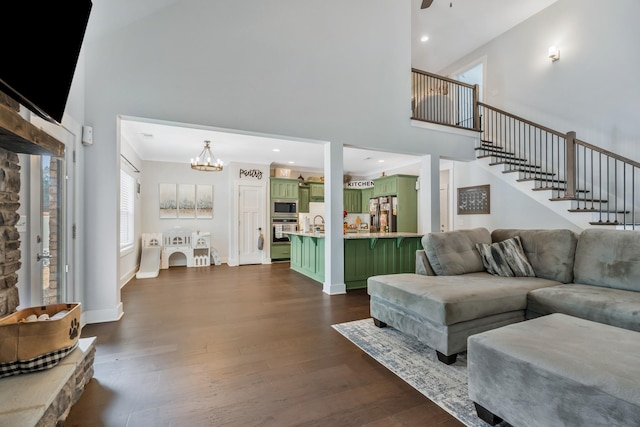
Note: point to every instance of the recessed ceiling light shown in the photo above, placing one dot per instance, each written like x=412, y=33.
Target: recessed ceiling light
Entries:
x=380, y=161
x=291, y=162
x=276, y=149
x=424, y=39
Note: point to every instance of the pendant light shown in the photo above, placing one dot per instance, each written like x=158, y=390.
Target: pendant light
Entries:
x=206, y=161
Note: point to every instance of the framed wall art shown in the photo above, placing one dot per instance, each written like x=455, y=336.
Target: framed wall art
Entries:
x=474, y=200
x=204, y=201
x=186, y=200
x=168, y=202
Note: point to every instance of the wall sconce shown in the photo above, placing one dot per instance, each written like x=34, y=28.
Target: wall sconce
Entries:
x=554, y=53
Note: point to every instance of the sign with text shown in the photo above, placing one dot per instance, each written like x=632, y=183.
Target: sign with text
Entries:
x=359, y=184
x=252, y=173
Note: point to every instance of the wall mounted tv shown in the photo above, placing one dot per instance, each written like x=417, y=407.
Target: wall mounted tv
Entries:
x=39, y=49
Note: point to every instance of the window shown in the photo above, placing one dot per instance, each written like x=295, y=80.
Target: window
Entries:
x=127, y=198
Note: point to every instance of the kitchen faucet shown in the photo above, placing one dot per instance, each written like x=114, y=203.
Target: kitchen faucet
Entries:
x=316, y=217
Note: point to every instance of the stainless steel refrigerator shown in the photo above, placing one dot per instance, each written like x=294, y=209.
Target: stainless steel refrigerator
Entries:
x=383, y=212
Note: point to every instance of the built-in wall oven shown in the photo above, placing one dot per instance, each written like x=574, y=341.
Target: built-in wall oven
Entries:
x=279, y=229
x=284, y=208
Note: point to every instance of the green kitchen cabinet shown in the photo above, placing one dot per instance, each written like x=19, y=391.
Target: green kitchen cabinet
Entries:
x=407, y=253
x=365, y=195
x=356, y=263
x=385, y=186
x=295, y=252
x=280, y=251
x=366, y=257
x=284, y=188
x=352, y=200
x=383, y=257
x=316, y=192
x=303, y=199
x=307, y=256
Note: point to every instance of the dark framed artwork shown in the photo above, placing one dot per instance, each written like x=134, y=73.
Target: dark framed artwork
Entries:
x=474, y=200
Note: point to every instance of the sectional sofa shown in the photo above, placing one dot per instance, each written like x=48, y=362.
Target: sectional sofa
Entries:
x=594, y=275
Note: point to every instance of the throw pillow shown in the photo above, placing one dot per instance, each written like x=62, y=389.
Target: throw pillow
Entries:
x=505, y=258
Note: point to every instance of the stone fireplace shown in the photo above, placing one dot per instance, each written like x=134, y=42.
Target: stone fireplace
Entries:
x=16, y=136
x=32, y=399
x=9, y=236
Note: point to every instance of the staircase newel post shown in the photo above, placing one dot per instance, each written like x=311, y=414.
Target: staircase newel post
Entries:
x=570, y=165
x=476, y=107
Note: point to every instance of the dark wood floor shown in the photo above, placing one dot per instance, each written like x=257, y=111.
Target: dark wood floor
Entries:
x=241, y=346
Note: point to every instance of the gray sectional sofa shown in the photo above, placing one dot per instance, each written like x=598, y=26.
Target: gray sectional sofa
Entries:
x=594, y=275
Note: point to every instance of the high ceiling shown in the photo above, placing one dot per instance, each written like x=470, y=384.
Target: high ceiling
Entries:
x=454, y=28
x=458, y=27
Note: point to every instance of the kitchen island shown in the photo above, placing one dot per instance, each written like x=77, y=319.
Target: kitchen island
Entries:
x=365, y=255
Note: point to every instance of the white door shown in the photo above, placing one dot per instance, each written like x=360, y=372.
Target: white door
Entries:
x=48, y=232
x=251, y=224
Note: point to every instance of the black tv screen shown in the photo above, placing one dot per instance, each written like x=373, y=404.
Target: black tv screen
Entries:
x=39, y=49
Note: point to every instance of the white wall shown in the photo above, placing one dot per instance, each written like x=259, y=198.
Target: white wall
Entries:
x=155, y=173
x=592, y=89
x=508, y=206
x=330, y=71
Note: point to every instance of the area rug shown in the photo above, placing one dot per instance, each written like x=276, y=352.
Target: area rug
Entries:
x=417, y=364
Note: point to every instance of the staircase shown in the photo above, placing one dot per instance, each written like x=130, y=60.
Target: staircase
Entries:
x=586, y=184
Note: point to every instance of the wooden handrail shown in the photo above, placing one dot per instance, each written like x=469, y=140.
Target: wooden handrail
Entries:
x=446, y=79
x=608, y=153
x=529, y=122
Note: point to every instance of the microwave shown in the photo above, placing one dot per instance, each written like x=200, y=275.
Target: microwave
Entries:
x=284, y=208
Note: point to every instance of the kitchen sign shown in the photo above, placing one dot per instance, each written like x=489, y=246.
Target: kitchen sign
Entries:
x=359, y=184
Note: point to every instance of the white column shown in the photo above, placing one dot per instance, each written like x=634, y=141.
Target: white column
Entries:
x=333, y=208
x=429, y=195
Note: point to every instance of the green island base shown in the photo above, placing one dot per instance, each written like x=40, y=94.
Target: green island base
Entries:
x=365, y=255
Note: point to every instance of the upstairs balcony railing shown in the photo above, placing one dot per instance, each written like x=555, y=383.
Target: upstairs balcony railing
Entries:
x=445, y=101
x=597, y=181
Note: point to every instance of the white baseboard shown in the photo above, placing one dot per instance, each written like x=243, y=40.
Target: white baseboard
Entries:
x=101, y=316
x=334, y=288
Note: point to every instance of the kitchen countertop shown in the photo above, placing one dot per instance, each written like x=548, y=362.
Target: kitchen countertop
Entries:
x=359, y=235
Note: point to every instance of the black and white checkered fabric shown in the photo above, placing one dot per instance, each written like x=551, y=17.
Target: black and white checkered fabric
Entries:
x=40, y=363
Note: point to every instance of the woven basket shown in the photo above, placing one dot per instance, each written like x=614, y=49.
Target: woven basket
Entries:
x=33, y=346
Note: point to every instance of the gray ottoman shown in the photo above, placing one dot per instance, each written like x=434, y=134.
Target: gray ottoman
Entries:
x=556, y=370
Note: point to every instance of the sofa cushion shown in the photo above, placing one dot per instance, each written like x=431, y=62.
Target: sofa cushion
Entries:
x=550, y=252
x=452, y=299
x=609, y=258
x=505, y=258
x=604, y=305
x=454, y=252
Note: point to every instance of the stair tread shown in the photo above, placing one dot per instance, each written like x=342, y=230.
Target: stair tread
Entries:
x=573, y=199
x=520, y=163
x=541, y=179
x=495, y=151
x=491, y=146
x=498, y=156
x=594, y=210
x=557, y=189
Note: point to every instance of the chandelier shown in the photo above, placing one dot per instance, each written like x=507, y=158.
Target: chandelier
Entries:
x=206, y=161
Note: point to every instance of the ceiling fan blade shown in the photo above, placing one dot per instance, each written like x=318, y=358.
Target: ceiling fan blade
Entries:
x=426, y=4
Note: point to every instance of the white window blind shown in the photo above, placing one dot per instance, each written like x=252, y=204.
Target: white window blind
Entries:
x=127, y=198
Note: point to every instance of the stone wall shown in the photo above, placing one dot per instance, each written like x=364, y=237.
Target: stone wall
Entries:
x=69, y=394
x=9, y=236
x=51, y=269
